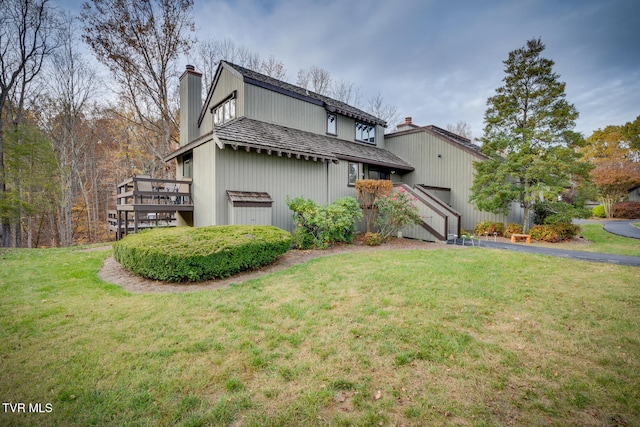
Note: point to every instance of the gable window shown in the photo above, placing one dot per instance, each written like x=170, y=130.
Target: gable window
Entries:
x=365, y=133
x=224, y=111
x=332, y=124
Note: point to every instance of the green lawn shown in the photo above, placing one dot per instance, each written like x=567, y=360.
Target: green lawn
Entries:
x=441, y=337
x=598, y=240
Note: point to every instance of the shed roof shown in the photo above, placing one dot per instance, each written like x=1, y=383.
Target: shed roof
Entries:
x=280, y=140
x=249, y=196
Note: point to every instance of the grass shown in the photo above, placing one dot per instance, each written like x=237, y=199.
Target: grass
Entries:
x=598, y=240
x=441, y=337
x=604, y=242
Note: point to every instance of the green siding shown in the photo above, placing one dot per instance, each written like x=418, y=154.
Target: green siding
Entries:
x=273, y=107
x=278, y=176
x=204, y=185
x=439, y=163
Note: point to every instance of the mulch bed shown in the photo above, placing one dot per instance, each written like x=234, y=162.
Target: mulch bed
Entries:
x=113, y=272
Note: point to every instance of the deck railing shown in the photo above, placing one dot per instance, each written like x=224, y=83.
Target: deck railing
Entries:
x=145, y=202
x=141, y=191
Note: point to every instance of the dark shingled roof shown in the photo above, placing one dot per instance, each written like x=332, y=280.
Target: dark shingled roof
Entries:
x=457, y=138
x=280, y=140
x=332, y=105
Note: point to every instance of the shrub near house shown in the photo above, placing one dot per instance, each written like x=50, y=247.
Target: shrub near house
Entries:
x=193, y=254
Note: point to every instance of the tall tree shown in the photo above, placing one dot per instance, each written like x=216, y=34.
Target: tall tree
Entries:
x=31, y=167
x=26, y=27
x=140, y=41
x=616, y=156
x=613, y=180
x=528, y=137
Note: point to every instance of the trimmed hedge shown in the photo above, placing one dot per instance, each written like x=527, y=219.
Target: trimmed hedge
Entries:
x=183, y=254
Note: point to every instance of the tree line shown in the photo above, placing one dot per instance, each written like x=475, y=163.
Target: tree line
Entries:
x=63, y=148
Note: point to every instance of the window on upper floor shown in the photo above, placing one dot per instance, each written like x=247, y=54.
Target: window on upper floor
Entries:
x=224, y=111
x=365, y=132
x=332, y=124
x=187, y=161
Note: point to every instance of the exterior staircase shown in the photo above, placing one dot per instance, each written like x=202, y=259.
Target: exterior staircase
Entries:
x=439, y=221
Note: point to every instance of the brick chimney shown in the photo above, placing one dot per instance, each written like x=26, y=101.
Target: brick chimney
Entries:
x=407, y=125
x=190, y=104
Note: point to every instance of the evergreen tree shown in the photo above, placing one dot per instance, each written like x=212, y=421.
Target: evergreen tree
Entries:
x=528, y=138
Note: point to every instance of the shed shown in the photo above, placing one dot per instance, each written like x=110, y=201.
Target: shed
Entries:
x=249, y=207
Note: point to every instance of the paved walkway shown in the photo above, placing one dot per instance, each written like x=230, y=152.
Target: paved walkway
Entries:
x=563, y=253
x=623, y=228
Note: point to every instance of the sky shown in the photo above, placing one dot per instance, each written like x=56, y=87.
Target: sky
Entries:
x=438, y=61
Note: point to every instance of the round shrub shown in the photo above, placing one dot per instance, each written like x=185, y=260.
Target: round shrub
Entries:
x=489, y=227
x=598, y=211
x=183, y=254
x=554, y=233
x=373, y=239
x=512, y=228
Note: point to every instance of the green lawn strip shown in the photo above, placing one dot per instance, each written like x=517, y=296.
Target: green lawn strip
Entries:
x=610, y=243
x=598, y=240
x=476, y=337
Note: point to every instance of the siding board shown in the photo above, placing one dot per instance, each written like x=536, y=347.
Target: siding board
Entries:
x=441, y=164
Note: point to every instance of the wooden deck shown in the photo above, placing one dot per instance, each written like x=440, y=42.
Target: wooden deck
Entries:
x=143, y=202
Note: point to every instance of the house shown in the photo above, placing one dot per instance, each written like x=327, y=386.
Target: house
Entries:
x=257, y=140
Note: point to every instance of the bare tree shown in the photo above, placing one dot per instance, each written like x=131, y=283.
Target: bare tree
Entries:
x=140, y=41
x=273, y=68
x=378, y=108
x=461, y=128
x=71, y=82
x=316, y=79
x=345, y=91
x=25, y=41
x=211, y=52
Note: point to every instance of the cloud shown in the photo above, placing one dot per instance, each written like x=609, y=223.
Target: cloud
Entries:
x=440, y=61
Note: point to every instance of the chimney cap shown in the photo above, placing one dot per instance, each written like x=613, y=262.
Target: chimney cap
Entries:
x=190, y=68
x=407, y=120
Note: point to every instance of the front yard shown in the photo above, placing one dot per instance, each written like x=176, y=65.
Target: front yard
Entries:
x=398, y=337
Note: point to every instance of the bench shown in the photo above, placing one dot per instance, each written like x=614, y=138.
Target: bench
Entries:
x=515, y=237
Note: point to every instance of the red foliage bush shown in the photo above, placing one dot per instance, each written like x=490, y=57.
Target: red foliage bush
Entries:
x=629, y=210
